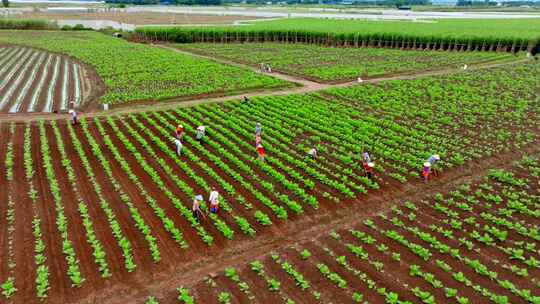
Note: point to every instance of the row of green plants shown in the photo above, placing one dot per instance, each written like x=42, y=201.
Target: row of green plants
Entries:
x=7, y=285
x=456, y=34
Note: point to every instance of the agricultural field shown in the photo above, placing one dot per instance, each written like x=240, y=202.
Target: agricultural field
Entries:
x=137, y=72
x=451, y=34
x=327, y=64
x=94, y=209
x=33, y=80
x=476, y=242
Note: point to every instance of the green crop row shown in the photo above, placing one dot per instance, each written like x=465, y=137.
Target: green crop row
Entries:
x=485, y=35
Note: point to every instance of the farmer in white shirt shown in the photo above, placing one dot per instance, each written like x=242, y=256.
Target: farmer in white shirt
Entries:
x=178, y=144
x=201, y=130
x=214, y=200
x=432, y=160
x=312, y=153
x=73, y=116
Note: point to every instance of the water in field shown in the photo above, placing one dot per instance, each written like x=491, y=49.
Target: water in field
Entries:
x=97, y=24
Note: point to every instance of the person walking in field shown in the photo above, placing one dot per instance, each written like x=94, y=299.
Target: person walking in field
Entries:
x=201, y=131
x=432, y=160
x=214, y=200
x=74, y=118
x=260, y=152
x=178, y=144
x=196, y=208
x=426, y=171
x=258, y=129
x=312, y=153
x=179, y=132
x=368, y=169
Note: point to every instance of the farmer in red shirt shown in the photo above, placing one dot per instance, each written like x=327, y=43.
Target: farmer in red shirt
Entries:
x=260, y=151
x=368, y=168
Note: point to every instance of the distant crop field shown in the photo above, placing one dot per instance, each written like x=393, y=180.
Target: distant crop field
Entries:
x=455, y=34
x=329, y=64
x=137, y=72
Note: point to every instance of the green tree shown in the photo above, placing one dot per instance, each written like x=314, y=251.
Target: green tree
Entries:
x=5, y=3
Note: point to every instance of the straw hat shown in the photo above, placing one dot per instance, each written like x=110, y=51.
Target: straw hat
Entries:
x=70, y=111
x=180, y=126
x=427, y=164
x=259, y=146
x=437, y=157
x=199, y=197
x=371, y=164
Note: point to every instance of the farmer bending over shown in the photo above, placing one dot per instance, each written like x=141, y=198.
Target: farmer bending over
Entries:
x=425, y=171
x=178, y=144
x=73, y=116
x=214, y=200
x=368, y=169
x=366, y=157
x=312, y=153
x=432, y=160
x=260, y=151
x=201, y=130
x=258, y=128
x=196, y=209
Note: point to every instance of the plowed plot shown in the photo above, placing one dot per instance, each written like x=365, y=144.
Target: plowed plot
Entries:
x=97, y=209
x=37, y=81
x=476, y=243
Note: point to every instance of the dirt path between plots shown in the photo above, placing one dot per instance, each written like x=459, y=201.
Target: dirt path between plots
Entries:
x=303, y=230
x=304, y=86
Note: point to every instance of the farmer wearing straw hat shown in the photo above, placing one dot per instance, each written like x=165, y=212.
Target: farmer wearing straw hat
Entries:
x=368, y=168
x=73, y=114
x=196, y=209
x=179, y=132
x=214, y=200
x=178, y=144
x=425, y=171
x=201, y=130
x=260, y=151
x=432, y=160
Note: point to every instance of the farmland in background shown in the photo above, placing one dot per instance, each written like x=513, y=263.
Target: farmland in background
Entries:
x=329, y=64
x=454, y=34
x=109, y=201
x=136, y=72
